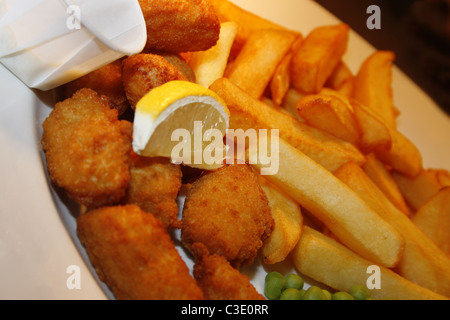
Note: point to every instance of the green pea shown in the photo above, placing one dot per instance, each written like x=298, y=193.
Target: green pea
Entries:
x=360, y=292
x=327, y=294
x=272, y=274
x=294, y=281
x=273, y=287
x=342, y=295
x=291, y=294
x=314, y=293
x=302, y=293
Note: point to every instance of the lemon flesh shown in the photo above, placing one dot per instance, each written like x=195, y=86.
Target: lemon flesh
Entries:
x=179, y=105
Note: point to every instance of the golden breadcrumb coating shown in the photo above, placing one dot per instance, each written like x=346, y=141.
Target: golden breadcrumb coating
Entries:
x=154, y=187
x=228, y=212
x=145, y=71
x=135, y=256
x=219, y=280
x=106, y=81
x=87, y=149
x=180, y=25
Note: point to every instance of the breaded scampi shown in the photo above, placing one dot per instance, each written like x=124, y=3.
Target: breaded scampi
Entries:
x=135, y=256
x=87, y=149
x=228, y=212
x=219, y=280
x=180, y=25
x=106, y=81
x=154, y=187
x=145, y=71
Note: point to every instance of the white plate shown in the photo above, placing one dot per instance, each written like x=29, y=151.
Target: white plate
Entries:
x=37, y=238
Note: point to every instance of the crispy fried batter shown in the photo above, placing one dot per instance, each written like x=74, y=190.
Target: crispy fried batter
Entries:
x=228, y=212
x=146, y=71
x=180, y=25
x=87, y=149
x=135, y=256
x=154, y=187
x=218, y=279
x=105, y=81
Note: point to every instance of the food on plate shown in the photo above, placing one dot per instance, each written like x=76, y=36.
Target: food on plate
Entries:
x=106, y=81
x=433, y=218
x=288, y=222
x=349, y=193
x=184, y=122
x=87, y=149
x=180, y=25
x=134, y=255
x=422, y=261
x=154, y=187
x=228, y=212
x=145, y=71
x=254, y=66
x=336, y=205
x=373, y=85
x=218, y=279
x=210, y=65
x=317, y=57
x=329, y=262
x=250, y=113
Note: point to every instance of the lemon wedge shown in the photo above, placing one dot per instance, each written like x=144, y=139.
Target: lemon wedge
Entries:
x=183, y=121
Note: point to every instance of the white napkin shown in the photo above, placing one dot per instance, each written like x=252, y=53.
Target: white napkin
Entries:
x=47, y=43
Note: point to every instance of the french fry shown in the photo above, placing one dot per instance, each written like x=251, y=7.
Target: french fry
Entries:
x=210, y=65
x=281, y=80
x=334, y=204
x=373, y=85
x=248, y=21
x=403, y=155
x=326, y=261
x=256, y=63
x=419, y=189
x=378, y=173
x=288, y=225
x=422, y=261
x=249, y=113
x=341, y=80
x=433, y=218
x=330, y=114
x=374, y=133
x=318, y=56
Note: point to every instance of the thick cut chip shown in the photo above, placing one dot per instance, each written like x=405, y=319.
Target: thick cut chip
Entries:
x=256, y=63
x=373, y=85
x=318, y=56
x=325, y=260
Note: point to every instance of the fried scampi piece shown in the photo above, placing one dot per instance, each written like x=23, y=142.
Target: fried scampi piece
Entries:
x=219, y=280
x=228, y=212
x=180, y=25
x=87, y=149
x=145, y=71
x=106, y=81
x=135, y=256
x=154, y=187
